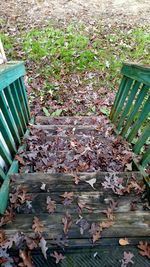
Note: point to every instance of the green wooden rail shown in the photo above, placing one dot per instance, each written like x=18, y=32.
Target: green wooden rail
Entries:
x=14, y=118
x=131, y=111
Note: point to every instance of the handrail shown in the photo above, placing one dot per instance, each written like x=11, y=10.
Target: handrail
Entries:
x=14, y=118
x=131, y=110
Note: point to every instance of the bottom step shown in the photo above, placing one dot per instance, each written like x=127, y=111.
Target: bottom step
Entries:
x=82, y=215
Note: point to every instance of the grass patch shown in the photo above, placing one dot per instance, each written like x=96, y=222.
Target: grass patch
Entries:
x=53, y=54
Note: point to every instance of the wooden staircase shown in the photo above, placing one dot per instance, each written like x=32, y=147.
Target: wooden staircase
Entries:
x=73, y=188
x=126, y=214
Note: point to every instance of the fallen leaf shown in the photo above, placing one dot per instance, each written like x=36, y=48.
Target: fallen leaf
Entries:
x=68, y=195
x=37, y=225
x=109, y=214
x=144, y=249
x=67, y=222
x=95, y=231
x=31, y=243
x=91, y=182
x=44, y=248
x=104, y=225
x=2, y=236
x=26, y=258
x=51, y=205
x=127, y=258
x=123, y=242
x=76, y=179
x=83, y=224
x=58, y=257
x=129, y=166
x=20, y=159
x=7, y=217
x=43, y=186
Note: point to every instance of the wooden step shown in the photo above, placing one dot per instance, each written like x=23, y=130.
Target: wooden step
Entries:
x=131, y=218
x=127, y=223
x=74, y=120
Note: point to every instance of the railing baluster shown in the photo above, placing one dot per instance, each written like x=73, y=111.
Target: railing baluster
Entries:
x=9, y=118
x=146, y=158
x=142, y=139
x=128, y=105
x=2, y=174
x=22, y=101
x=18, y=105
x=121, y=102
x=134, y=109
x=14, y=111
x=118, y=95
x=142, y=117
x=7, y=136
x=4, y=154
x=25, y=96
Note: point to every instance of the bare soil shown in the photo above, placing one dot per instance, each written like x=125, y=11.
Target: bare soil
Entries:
x=36, y=12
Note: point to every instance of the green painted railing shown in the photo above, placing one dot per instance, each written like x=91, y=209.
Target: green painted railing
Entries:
x=131, y=110
x=14, y=118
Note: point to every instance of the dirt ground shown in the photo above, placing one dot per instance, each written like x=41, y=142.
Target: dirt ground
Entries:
x=35, y=12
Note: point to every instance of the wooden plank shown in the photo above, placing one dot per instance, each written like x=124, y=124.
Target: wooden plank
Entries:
x=53, y=129
x=73, y=120
x=10, y=72
x=96, y=201
x=66, y=181
x=25, y=97
x=135, y=224
x=137, y=72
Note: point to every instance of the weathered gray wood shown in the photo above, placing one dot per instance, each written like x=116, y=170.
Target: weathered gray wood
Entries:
x=93, y=200
x=53, y=129
x=73, y=120
x=135, y=224
x=60, y=182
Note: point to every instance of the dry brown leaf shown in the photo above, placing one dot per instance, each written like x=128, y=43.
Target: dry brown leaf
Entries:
x=26, y=258
x=58, y=257
x=20, y=159
x=37, y=225
x=76, y=179
x=109, y=214
x=68, y=195
x=84, y=206
x=144, y=249
x=51, y=205
x=95, y=231
x=108, y=224
x=67, y=222
x=2, y=236
x=7, y=217
x=123, y=242
x=31, y=243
